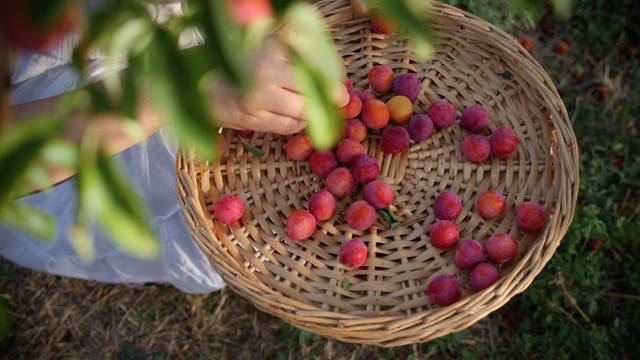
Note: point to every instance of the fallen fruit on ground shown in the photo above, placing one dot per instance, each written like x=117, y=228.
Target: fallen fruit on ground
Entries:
x=561, y=47
x=594, y=245
x=526, y=43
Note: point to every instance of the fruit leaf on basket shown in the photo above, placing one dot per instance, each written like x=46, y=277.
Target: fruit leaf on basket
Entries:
x=507, y=75
x=319, y=72
x=388, y=217
x=252, y=149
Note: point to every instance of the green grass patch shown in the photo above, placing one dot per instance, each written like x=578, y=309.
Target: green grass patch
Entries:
x=585, y=303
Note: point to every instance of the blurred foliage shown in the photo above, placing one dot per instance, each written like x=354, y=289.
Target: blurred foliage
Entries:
x=498, y=12
x=507, y=13
x=178, y=83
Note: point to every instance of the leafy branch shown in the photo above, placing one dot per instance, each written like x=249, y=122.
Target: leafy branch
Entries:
x=177, y=82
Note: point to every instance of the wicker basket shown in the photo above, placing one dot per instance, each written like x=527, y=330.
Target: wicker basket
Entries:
x=385, y=302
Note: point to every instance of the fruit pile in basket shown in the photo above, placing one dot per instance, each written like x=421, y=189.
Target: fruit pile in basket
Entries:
x=349, y=170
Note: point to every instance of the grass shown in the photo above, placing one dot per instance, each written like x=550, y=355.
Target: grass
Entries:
x=584, y=304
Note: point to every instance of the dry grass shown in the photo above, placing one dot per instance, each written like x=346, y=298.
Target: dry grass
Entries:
x=56, y=318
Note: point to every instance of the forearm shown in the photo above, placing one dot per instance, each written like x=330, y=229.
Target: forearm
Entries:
x=108, y=129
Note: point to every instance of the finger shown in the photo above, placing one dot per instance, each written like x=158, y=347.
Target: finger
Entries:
x=275, y=123
x=341, y=96
x=282, y=102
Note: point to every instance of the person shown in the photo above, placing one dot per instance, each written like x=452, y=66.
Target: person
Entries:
x=39, y=80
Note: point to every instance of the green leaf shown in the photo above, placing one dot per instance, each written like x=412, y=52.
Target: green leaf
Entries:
x=281, y=6
x=309, y=38
x=323, y=119
x=562, y=8
x=109, y=17
x=319, y=72
x=45, y=13
x=38, y=177
x=59, y=152
x=528, y=6
x=200, y=62
x=29, y=220
x=507, y=75
x=412, y=19
x=252, y=149
x=346, y=283
x=82, y=242
x=223, y=41
x=389, y=218
x=106, y=197
x=176, y=94
x=20, y=147
x=130, y=39
x=132, y=86
x=124, y=215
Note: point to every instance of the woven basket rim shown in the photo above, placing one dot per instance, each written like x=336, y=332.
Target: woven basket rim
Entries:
x=377, y=327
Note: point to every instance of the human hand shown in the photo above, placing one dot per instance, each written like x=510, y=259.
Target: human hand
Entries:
x=273, y=104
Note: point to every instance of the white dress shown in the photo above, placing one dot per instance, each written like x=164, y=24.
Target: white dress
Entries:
x=150, y=166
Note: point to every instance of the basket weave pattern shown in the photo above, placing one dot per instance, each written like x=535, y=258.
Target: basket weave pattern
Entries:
x=385, y=302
